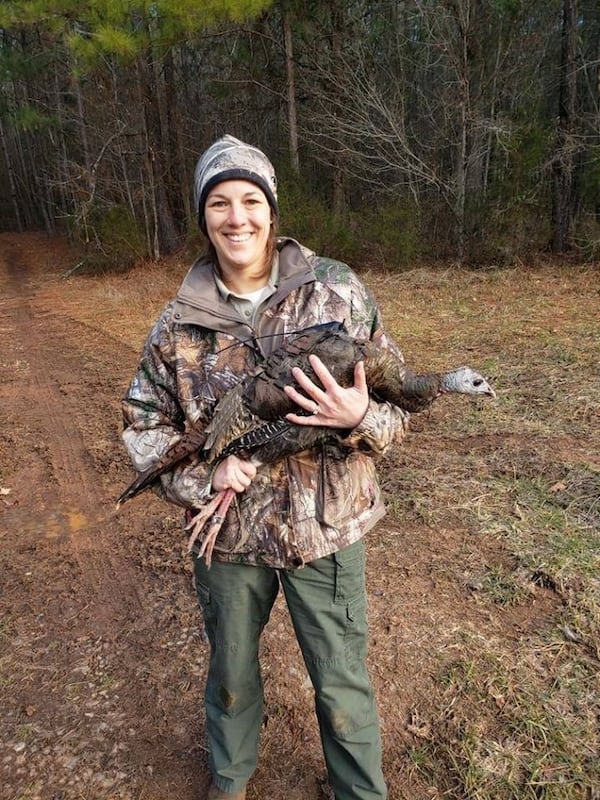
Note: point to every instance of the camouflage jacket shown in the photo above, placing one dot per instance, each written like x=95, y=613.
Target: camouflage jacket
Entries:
x=306, y=506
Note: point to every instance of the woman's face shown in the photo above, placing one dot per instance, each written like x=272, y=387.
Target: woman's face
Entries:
x=238, y=223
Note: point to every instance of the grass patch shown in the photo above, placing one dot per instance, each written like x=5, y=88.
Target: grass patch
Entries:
x=504, y=587
x=550, y=525
x=500, y=736
x=512, y=716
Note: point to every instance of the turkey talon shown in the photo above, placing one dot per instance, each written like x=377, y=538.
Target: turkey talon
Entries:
x=215, y=512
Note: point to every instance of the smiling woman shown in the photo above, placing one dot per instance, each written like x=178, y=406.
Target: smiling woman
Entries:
x=297, y=524
x=239, y=222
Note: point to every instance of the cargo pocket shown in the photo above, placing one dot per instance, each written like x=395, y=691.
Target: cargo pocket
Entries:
x=207, y=606
x=356, y=636
x=350, y=572
x=350, y=592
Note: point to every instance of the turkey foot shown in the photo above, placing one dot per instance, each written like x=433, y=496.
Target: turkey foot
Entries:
x=215, y=511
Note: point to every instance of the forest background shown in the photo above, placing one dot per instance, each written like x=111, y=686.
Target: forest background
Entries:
x=401, y=131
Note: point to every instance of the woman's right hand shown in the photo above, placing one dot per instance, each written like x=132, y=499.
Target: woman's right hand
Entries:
x=233, y=473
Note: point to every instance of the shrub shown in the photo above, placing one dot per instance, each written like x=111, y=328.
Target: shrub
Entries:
x=114, y=240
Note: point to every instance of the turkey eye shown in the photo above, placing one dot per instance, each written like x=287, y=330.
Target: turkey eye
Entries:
x=477, y=382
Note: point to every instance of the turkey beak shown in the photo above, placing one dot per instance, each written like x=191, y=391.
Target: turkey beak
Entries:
x=481, y=386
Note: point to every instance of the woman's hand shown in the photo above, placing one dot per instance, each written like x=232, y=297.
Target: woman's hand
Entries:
x=233, y=473
x=332, y=406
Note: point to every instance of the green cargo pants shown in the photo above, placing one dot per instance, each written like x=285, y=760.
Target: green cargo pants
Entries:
x=327, y=604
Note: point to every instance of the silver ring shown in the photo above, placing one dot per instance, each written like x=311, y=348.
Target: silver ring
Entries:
x=316, y=410
x=217, y=520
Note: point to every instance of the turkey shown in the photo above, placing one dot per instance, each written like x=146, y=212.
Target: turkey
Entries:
x=249, y=420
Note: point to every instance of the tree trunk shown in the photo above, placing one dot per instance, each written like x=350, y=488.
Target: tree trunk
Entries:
x=166, y=238
x=121, y=169
x=85, y=206
x=291, y=93
x=11, y=179
x=563, y=167
x=65, y=190
x=460, y=181
x=337, y=34
x=460, y=191
x=179, y=180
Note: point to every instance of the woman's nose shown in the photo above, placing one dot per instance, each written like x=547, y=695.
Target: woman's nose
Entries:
x=237, y=214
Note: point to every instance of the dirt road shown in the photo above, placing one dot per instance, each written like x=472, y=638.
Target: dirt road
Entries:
x=92, y=640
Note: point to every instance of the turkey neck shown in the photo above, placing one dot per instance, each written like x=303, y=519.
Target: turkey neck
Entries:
x=389, y=379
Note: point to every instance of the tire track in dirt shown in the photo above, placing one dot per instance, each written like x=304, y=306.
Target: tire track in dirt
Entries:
x=98, y=622
x=55, y=384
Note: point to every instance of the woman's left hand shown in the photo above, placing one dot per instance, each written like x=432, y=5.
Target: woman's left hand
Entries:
x=332, y=406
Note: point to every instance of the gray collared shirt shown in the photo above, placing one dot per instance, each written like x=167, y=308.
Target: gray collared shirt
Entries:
x=247, y=304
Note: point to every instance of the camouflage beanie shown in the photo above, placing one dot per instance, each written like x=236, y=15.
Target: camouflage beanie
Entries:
x=229, y=159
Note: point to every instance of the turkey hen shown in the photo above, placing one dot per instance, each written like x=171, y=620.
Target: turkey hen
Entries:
x=249, y=421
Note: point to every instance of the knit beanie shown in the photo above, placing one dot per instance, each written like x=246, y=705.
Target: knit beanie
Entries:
x=228, y=159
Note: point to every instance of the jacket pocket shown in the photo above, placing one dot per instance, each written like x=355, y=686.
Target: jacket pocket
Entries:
x=347, y=490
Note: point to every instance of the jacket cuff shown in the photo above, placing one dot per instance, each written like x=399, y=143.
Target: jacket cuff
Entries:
x=382, y=425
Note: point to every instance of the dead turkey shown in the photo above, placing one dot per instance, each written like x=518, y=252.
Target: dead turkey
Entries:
x=249, y=421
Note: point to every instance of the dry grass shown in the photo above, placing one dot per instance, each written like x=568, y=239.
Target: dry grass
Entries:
x=517, y=718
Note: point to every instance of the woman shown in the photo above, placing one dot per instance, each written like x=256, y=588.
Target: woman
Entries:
x=297, y=524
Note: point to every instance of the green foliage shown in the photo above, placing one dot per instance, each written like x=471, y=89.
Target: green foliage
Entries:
x=504, y=232
x=589, y=176
x=116, y=242
x=310, y=219
x=587, y=237
x=511, y=219
x=108, y=39
x=387, y=234
x=392, y=232
x=26, y=64
x=28, y=118
x=528, y=148
x=507, y=6
x=124, y=29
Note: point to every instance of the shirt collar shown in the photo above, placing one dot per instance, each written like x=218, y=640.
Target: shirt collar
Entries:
x=271, y=284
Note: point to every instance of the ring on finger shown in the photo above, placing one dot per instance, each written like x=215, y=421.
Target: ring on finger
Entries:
x=316, y=410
